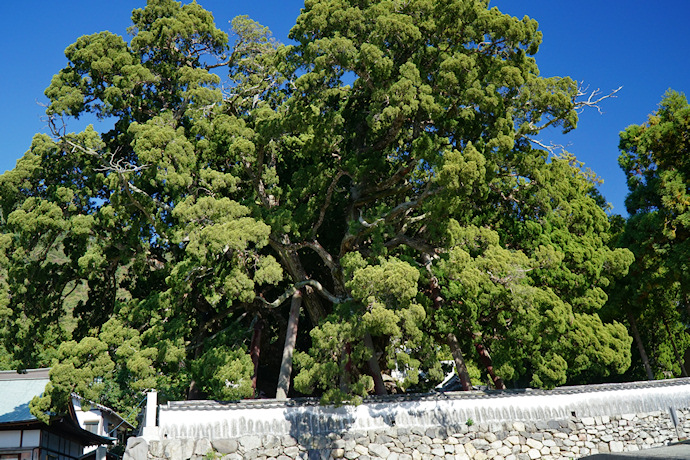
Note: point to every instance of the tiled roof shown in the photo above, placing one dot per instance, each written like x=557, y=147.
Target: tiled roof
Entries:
x=17, y=391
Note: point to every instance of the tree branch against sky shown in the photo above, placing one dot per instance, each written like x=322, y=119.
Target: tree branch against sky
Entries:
x=639, y=46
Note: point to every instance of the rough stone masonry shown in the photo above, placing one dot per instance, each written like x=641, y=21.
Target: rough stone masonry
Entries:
x=553, y=439
x=566, y=437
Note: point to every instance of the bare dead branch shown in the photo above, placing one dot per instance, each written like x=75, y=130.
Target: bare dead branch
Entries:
x=592, y=98
x=551, y=147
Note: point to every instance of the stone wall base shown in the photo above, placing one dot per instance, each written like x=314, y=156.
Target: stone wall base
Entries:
x=554, y=439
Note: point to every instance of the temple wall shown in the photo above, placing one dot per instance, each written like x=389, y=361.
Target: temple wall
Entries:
x=513, y=425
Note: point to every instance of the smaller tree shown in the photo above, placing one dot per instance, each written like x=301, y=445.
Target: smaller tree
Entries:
x=655, y=157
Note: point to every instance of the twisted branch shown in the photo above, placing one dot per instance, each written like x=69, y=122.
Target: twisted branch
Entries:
x=297, y=286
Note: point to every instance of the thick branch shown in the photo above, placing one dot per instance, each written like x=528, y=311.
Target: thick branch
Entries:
x=289, y=348
x=385, y=188
x=297, y=286
x=403, y=208
x=415, y=244
x=327, y=201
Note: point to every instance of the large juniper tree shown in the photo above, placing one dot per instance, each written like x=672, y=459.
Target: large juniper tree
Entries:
x=383, y=165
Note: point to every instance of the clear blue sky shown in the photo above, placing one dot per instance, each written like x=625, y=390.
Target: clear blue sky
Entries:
x=640, y=45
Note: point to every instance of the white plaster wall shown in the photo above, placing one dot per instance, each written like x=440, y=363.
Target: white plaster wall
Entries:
x=32, y=438
x=10, y=438
x=15, y=439
x=187, y=420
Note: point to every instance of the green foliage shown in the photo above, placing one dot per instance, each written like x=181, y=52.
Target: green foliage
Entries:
x=406, y=204
x=226, y=373
x=654, y=294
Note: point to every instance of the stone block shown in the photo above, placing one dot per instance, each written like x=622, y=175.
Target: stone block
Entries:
x=225, y=446
x=504, y=451
x=534, y=453
x=288, y=441
x=156, y=449
x=481, y=444
x=518, y=426
x=489, y=436
x=176, y=449
x=202, y=447
x=292, y=451
x=383, y=439
x=361, y=450
x=438, y=451
x=136, y=449
x=534, y=444
x=616, y=446
x=470, y=450
x=379, y=450
x=271, y=442
x=250, y=442
x=436, y=432
x=513, y=441
x=541, y=425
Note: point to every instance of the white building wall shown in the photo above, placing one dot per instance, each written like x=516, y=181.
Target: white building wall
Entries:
x=15, y=438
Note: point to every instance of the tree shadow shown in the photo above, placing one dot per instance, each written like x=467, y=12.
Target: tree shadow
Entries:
x=20, y=413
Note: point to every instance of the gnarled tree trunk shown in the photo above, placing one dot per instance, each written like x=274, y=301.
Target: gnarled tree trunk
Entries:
x=640, y=346
x=459, y=361
x=488, y=364
x=255, y=350
x=289, y=348
x=374, y=367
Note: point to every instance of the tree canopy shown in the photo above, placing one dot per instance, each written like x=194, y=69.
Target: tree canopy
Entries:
x=654, y=295
x=384, y=165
